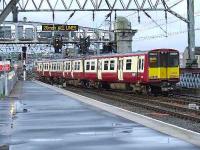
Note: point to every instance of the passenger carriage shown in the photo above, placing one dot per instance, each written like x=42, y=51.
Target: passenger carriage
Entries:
x=141, y=71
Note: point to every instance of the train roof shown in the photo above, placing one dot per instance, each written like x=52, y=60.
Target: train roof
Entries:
x=110, y=55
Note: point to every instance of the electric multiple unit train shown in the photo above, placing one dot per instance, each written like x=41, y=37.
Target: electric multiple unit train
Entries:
x=145, y=71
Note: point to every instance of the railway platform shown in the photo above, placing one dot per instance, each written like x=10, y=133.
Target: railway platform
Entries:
x=54, y=120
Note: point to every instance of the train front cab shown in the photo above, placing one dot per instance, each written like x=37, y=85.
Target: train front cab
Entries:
x=163, y=68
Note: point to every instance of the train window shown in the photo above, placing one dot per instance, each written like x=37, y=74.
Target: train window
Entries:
x=105, y=65
x=58, y=67
x=66, y=66
x=112, y=65
x=69, y=66
x=139, y=64
x=163, y=59
x=128, y=64
x=153, y=60
x=88, y=65
x=142, y=64
x=78, y=66
x=75, y=66
x=92, y=65
x=173, y=59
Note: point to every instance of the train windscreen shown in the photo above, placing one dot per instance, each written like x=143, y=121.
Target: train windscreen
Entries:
x=163, y=59
x=153, y=59
x=173, y=58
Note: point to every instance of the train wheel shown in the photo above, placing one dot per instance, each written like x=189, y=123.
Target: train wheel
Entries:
x=88, y=84
x=98, y=85
x=146, y=90
x=156, y=90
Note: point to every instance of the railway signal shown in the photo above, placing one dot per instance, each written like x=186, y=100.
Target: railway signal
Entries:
x=57, y=44
x=84, y=45
x=24, y=49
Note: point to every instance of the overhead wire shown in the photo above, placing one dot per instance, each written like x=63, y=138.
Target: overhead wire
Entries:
x=169, y=22
x=163, y=36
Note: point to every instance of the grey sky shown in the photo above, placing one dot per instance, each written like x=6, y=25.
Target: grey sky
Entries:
x=177, y=35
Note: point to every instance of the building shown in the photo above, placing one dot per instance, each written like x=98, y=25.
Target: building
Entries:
x=5, y=32
x=29, y=34
x=195, y=53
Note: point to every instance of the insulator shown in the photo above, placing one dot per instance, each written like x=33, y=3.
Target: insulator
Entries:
x=115, y=15
x=93, y=16
x=138, y=17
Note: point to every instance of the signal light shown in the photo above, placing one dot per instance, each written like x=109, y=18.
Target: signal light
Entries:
x=57, y=43
x=24, y=49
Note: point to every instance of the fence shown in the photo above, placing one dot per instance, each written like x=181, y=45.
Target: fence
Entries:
x=11, y=81
x=190, y=80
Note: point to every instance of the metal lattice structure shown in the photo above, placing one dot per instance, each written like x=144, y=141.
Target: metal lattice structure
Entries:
x=90, y=5
x=6, y=6
x=94, y=5
x=190, y=80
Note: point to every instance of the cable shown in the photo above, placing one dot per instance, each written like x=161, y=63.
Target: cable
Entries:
x=174, y=21
x=162, y=36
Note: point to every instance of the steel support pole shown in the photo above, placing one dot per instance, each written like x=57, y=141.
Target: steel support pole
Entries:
x=24, y=69
x=6, y=11
x=191, y=29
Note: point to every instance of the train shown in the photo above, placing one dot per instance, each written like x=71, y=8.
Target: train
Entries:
x=152, y=71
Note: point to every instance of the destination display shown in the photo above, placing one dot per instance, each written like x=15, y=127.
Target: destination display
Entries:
x=46, y=27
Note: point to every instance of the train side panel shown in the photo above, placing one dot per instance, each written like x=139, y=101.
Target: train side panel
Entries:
x=91, y=67
x=109, y=69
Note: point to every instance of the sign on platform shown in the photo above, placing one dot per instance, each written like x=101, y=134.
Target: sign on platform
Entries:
x=4, y=66
x=47, y=27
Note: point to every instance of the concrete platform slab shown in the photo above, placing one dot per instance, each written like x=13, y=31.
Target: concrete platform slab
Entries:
x=56, y=121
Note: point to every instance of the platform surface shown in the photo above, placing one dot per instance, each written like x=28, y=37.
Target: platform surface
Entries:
x=58, y=122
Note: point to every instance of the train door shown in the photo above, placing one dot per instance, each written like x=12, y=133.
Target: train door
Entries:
x=50, y=68
x=163, y=64
x=140, y=68
x=120, y=69
x=72, y=68
x=64, y=68
x=43, y=68
x=99, y=72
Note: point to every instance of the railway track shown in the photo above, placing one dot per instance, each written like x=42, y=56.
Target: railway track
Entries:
x=163, y=105
x=187, y=98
